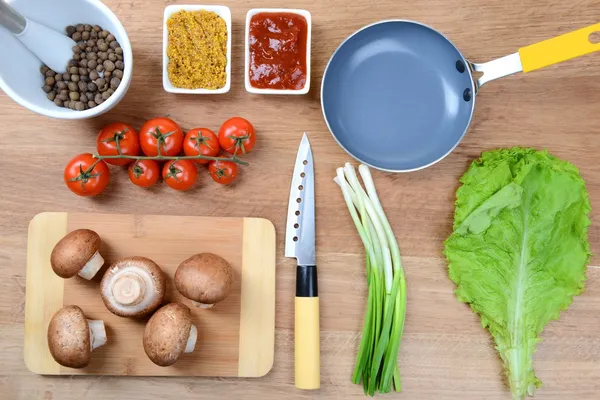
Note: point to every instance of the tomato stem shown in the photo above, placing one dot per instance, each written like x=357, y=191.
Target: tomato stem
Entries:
x=173, y=172
x=86, y=175
x=117, y=137
x=202, y=140
x=239, y=143
x=163, y=158
x=137, y=170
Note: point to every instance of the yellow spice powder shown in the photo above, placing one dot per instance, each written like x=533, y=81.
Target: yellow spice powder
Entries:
x=197, y=50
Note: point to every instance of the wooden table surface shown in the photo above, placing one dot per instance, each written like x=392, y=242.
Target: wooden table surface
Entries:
x=445, y=354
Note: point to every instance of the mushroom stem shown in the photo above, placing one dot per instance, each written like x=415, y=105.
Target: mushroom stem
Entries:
x=202, y=305
x=97, y=333
x=91, y=268
x=191, y=341
x=128, y=289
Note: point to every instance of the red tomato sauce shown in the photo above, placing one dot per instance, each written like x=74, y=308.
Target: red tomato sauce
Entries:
x=277, y=44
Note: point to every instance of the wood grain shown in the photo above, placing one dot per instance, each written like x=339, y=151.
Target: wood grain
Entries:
x=445, y=353
x=256, y=355
x=235, y=338
x=45, y=290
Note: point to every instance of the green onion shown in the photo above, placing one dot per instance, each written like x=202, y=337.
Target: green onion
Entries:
x=377, y=359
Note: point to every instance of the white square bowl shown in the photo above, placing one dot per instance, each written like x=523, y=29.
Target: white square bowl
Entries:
x=223, y=12
x=249, y=16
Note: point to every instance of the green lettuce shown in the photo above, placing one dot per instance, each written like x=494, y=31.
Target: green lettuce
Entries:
x=519, y=250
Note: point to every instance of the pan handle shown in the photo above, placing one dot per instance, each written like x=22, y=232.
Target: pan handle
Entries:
x=561, y=48
x=540, y=55
x=497, y=68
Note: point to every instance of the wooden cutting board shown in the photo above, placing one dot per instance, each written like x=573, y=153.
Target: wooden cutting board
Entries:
x=235, y=337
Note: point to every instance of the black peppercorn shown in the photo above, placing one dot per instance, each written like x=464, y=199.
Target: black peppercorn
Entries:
x=114, y=83
x=109, y=65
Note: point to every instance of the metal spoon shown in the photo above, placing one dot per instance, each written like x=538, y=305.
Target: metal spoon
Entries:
x=53, y=48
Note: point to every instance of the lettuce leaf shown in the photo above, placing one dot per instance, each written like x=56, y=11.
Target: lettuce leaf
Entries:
x=519, y=250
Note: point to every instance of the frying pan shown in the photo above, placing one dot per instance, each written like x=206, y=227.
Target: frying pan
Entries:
x=399, y=96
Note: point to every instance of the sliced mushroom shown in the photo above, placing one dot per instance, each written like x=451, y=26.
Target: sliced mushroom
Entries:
x=72, y=337
x=169, y=333
x=77, y=253
x=133, y=287
x=205, y=279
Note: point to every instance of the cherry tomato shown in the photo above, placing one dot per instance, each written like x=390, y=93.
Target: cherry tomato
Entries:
x=117, y=136
x=86, y=175
x=144, y=173
x=201, y=141
x=237, y=136
x=162, y=132
x=223, y=172
x=180, y=174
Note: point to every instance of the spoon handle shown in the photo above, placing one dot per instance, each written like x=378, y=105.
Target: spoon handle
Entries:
x=11, y=19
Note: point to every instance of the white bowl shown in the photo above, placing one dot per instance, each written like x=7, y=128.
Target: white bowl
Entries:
x=20, y=76
x=223, y=12
x=249, y=16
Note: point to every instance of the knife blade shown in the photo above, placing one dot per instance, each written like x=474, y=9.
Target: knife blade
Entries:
x=300, y=244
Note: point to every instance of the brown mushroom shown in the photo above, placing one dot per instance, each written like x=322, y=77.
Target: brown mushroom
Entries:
x=77, y=254
x=205, y=279
x=169, y=333
x=133, y=287
x=72, y=337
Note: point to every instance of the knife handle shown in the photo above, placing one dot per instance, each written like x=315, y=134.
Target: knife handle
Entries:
x=307, y=340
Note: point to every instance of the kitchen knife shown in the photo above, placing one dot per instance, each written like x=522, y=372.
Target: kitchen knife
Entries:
x=300, y=244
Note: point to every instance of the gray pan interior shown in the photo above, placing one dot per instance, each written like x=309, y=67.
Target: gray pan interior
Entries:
x=398, y=95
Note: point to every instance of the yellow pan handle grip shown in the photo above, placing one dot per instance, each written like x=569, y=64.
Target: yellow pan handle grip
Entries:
x=307, y=343
x=559, y=49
